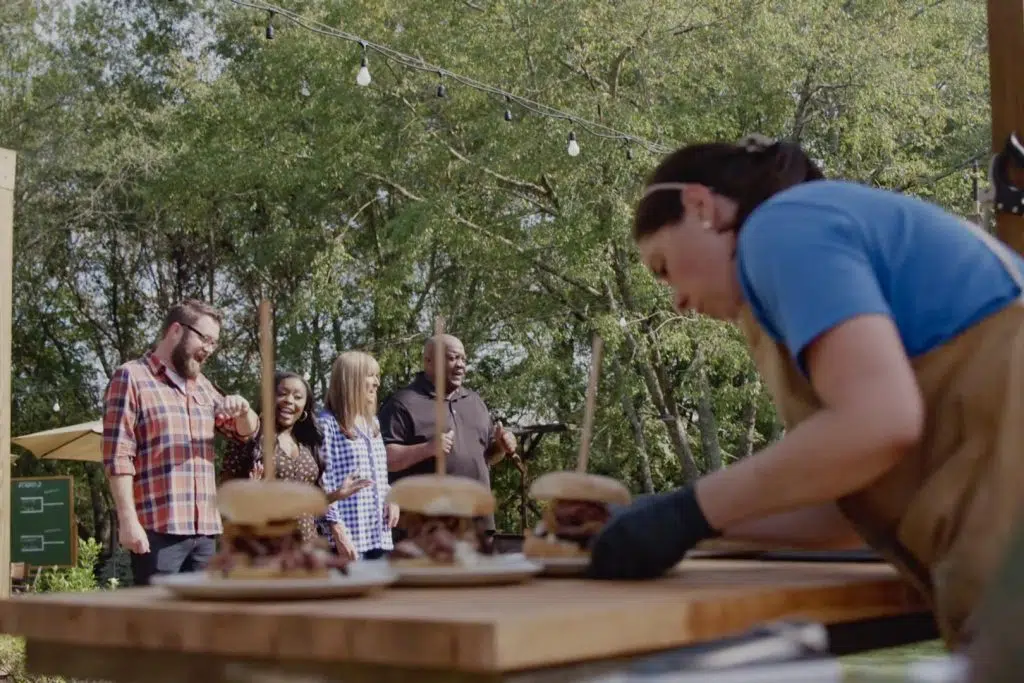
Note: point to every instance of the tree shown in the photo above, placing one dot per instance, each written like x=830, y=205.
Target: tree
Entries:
x=170, y=150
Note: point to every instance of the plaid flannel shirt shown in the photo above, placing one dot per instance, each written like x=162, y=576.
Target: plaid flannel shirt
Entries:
x=159, y=429
x=364, y=514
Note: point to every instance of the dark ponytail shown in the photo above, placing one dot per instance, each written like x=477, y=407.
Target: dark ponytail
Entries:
x=748, y=173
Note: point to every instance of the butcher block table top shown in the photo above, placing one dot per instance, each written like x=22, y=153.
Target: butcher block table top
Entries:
x=488, y=630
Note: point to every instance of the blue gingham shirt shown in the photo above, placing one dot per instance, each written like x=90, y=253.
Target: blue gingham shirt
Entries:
x=364, y=514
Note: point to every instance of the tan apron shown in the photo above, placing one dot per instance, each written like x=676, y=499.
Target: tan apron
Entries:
x=944, y=515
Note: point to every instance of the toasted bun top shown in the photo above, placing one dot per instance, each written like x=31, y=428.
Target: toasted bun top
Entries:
x=579, y=486
x=440, y=495
x=256, y=501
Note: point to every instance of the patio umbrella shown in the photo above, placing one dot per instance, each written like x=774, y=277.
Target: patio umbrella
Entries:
x=77, y=442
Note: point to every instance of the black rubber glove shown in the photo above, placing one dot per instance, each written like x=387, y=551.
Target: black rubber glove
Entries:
x=649, y=537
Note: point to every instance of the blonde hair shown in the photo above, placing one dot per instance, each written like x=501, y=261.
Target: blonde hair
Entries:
x=346, y=395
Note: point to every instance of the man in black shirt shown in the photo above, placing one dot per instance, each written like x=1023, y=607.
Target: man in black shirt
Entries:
x=472, y=442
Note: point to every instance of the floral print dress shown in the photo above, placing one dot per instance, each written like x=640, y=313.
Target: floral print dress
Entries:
x=242, y=456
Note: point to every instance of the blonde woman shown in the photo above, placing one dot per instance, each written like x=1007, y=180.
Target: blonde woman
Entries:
x=359, y=527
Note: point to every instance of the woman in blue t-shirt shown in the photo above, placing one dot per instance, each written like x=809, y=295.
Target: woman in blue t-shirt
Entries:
x=891, y=336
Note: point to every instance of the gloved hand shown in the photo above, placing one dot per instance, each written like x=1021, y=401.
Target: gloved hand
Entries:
x=649, y=537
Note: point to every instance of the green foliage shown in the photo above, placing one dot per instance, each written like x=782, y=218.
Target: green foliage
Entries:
x=12, y=662
x=81, y=577
x=168, y=150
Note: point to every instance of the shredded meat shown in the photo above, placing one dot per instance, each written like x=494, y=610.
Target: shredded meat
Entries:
x=577, y=521
x=435, y=537
x=243, y=547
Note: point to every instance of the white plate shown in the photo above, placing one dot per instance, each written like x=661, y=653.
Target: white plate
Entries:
x=363, y=578
x=562, y=566
x=493, y=570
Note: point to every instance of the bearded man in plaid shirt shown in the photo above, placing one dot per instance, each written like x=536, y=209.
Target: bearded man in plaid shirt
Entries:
x=160, y=418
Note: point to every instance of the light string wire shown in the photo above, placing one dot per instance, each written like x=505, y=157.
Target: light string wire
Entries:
x=592, y=127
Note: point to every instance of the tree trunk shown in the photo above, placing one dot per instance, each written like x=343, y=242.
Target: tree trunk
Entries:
x=100, y=516
x=706, y=422
x=641, y=442
x=748, y=420
x=654, y=378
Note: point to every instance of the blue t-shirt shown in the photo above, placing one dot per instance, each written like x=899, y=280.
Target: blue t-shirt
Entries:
x=823, y=252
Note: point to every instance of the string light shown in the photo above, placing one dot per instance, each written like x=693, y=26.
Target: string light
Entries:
x=411, y=62
x=574, y=147
x=304, y=90
x=56, y=406
x=270, y=25
x=363, y=77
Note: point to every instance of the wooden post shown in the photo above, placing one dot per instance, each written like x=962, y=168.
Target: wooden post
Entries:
x=997, y=651
x=8, y=160
x=1005, y=56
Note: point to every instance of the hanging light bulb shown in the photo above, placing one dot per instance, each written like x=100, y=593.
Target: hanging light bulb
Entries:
x=56, y=406
x=304, y=90
x=441, y=91
x=270, y=26
x=363, y=77
x=508, y=112
x=574, y=147
x=629, y=153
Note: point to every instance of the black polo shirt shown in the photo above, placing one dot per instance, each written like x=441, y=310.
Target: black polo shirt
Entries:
x=407, y=418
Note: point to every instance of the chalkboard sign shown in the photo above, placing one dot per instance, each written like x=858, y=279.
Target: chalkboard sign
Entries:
x=42, y=522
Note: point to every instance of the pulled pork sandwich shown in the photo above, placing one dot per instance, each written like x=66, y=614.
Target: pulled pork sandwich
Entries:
x=261, y=537
x=577, y=511
x=443, y=517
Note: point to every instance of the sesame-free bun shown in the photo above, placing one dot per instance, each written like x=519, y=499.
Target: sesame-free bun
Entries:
x=258, y=501
x=270, y=572
x=579, y=486
x=550, y=546
x=417, y=562
x=441, y=495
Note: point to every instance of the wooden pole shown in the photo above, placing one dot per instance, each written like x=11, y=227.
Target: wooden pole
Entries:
x=596, y=354
x=1005, y=57
x=440, y=389
x=996, y=653
x=268, y=390
x=8, y=161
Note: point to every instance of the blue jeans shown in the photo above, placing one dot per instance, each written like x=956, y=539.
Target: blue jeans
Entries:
x=172, y=554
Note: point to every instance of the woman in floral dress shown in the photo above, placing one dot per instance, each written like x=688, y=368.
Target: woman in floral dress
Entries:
x=298, y=453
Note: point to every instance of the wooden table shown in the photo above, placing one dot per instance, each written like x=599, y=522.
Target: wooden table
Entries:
x=143, y=634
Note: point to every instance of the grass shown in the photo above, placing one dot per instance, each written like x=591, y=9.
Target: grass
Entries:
x=12, y=663
x=898, y=656
x=889, y=664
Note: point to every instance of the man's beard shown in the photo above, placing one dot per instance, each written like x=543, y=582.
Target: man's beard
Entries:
x=184, y=365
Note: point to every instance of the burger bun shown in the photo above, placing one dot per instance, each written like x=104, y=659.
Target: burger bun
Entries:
x=580, y=486
x=270, y=572
x=549, y=546
x=442, y=495
x=260, y=501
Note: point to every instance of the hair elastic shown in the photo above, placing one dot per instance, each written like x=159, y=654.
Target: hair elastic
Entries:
x=755, y=142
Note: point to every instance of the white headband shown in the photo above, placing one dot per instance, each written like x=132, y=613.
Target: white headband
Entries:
x=656, y=187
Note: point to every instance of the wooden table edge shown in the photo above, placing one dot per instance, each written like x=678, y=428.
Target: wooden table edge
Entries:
x=489, y=646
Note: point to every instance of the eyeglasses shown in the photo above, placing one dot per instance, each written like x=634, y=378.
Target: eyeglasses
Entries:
x=207, y=341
